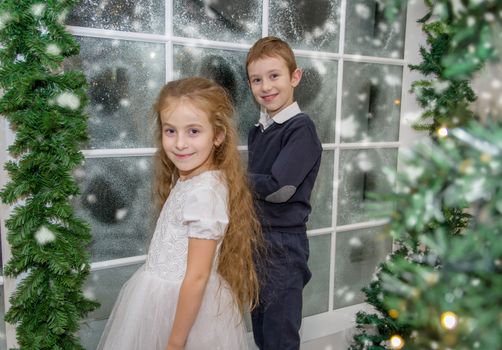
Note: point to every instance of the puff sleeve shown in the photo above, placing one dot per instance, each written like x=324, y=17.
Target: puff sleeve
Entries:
x=205, y=213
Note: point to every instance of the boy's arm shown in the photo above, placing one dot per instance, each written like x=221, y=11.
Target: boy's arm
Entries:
x=200, y=256
x=295, y=160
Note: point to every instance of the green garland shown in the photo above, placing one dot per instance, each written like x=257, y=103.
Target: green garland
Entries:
x=45, y=107
x=449, y=265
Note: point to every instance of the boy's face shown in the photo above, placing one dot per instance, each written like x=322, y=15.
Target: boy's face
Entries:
x=271, y=84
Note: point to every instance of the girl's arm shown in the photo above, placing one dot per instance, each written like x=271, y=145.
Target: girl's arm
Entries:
x=200, y=259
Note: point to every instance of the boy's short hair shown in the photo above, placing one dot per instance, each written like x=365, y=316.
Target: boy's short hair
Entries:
x=272, y=46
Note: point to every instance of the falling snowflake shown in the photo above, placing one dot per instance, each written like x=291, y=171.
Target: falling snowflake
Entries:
x=53, y=49
x=349, y=127
x=44, y=235
x=91, y=198
x=120, y=214
x=37, y=9
x=4, y=19
x=363, y=11
x=68, y=100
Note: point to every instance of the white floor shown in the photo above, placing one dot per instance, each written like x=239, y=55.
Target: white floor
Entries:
x=338, y=341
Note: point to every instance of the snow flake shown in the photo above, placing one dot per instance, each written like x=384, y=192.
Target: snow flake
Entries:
x=349, y=127
x=37, y=9
x=355, y=242
x=392, y=80
x=125, y=102
x=413, y=173
x=120, y=214
x=363, y=11
x=53, y=49
x=440, y=86
x=68, y=100
x=476, y=190
x=91, y=198
x=4, y=19
x=489, y=17
x=440, y=10
x=20, y=58
x=44, y=235
x=364, y=163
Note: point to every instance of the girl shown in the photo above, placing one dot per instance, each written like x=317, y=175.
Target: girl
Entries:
x=199, y=274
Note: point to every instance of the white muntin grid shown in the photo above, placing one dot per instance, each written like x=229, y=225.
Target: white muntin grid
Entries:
x=313, y=326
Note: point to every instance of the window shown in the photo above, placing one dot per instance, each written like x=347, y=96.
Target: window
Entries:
x=354, y=65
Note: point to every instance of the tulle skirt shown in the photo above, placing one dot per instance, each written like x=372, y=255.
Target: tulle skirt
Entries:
x=144, y=313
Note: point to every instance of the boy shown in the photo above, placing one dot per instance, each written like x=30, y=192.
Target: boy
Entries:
x=284, y=158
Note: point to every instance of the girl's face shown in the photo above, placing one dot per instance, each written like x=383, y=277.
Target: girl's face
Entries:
x=188, y=138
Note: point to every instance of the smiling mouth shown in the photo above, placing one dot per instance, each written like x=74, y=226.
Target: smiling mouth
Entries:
x=269, y=97
x=183, y=156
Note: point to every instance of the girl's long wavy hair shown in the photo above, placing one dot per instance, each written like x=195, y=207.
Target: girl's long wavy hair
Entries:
x=243, y=234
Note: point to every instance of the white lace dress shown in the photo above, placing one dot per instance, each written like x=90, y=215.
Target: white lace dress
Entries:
x=144, y=311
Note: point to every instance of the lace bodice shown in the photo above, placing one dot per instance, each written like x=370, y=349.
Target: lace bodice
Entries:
x=195, y=208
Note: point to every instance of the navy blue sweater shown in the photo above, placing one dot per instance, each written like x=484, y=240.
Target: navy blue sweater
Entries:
x=283, y=163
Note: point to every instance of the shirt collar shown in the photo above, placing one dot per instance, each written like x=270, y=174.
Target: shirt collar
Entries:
x=280, y=118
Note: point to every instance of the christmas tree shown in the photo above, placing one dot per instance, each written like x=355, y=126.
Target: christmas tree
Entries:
x=441, y=288
x=45, y=108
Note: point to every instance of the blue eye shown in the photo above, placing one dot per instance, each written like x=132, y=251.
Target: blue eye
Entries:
x=193, y=131
x=169, y=131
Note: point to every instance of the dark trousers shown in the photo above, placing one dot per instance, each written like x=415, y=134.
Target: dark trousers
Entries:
x=283, y=273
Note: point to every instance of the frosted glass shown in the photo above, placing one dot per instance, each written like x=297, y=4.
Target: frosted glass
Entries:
x=361, y=173
x=369, y=33
x=316, y=94
x=116, y=201
x=316, y=292
x=371, y=102
x=3, y=338
x=124, y=79
x=312, y=24
x=357, y=255
x=322, y=194
x=227, y=68
x=224, y=20
x=103, y=286
x=125, y=15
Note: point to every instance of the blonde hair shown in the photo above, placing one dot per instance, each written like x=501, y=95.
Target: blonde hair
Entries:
x=272, y=46
x=243, y=234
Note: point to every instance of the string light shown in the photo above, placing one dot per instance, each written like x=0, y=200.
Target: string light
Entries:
x=397, y=102
x=393, y=313
x=449, y=320
x=442, y=131
x=396, y=342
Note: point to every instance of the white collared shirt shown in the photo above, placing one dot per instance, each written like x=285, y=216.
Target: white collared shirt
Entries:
x=280, y=118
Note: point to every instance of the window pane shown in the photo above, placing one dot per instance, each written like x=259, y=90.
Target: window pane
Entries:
x=124, y=78
x=316, y=94
x=126, y=15
x=357, y=254
x=369, y=33
x=322, y=194
x=227, y=68
x=371, y=102
x=310, y=24
x=3, y=339
x=360, y=174
x=103, y=286
x=316, y=293
x=225, y=20
x=116, y=201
